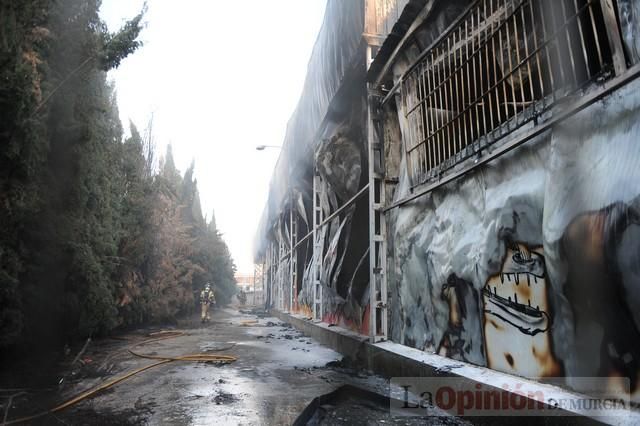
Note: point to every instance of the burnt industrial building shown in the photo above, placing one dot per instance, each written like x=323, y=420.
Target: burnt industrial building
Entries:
x=463, y=178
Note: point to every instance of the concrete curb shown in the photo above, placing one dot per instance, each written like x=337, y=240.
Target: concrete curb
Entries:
x=391, y=359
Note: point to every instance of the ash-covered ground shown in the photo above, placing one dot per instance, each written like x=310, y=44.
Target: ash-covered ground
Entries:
x=279, y=371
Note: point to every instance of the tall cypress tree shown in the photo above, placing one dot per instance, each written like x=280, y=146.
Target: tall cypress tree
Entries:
x=92, y=236
x=23, y=147
x=67, y=235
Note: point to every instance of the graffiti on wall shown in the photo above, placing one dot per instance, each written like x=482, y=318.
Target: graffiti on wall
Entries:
x=597, y=264
x=517, y=315
x=454, y=343
x=602, y=252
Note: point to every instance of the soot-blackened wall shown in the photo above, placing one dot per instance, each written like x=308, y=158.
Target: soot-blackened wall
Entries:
x=530, y=264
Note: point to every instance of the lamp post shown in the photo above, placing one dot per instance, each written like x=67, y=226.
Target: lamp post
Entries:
x=263, y=147
x=292, y=239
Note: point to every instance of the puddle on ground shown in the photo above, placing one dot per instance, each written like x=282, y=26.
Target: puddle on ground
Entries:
x=216, y=346
x=349, y=405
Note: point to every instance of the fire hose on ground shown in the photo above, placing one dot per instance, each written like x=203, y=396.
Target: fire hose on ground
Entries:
x=163, y=335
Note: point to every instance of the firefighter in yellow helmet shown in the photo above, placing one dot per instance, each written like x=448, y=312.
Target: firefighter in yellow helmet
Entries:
x=207, y=299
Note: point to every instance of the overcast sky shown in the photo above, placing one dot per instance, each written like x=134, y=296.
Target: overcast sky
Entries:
x=220, y=78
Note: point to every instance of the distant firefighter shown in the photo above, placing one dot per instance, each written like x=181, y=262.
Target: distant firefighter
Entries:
x=207, y=298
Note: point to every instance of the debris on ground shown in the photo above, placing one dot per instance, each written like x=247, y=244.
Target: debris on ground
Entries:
x=350, y=405
x=225, y=398
x=239, y=393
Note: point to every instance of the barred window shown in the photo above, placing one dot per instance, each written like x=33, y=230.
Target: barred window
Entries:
x=502, y=64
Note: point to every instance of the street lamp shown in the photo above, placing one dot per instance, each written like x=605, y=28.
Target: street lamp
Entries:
x=262, y=148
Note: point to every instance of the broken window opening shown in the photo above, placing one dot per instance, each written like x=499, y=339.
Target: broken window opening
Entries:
x=503, y=64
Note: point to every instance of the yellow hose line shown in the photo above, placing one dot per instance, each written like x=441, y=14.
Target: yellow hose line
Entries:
x=200, y=357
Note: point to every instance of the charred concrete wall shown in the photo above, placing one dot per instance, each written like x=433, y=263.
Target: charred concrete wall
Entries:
x=341, y=161
x=327, y=135
x=530, y=264
x=527, y=265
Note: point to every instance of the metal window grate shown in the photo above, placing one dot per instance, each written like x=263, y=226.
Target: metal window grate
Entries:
x=501, y=65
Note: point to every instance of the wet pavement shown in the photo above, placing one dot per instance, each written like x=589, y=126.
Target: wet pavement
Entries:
x=279, y=371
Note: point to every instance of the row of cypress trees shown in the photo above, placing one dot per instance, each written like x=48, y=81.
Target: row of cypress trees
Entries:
x=95, y=233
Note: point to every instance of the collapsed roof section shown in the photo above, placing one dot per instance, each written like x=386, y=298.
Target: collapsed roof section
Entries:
x=338, y=55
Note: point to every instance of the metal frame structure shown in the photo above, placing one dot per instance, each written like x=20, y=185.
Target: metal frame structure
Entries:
x=314, y=234
x=293, y=253
x=502, y=64
x=273, y=274
x=258, y=277
x=270, y=275
x=378, y=327
x=276, y=275
x=318, y=245
x=281, y=280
